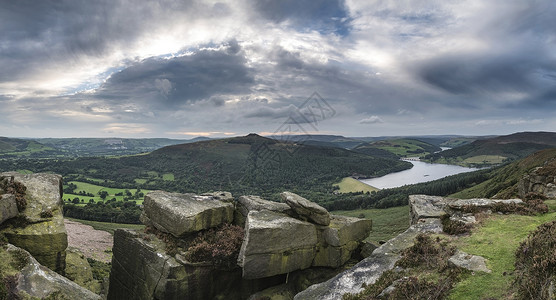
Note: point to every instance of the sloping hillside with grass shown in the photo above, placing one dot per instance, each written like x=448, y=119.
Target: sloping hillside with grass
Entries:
x=493, y=151
x=503, y=181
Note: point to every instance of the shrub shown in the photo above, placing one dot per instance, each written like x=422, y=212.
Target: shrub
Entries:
x=10, y=186
x=428, y=253
x=220, y=246
x=453, y=227
x=536, y=263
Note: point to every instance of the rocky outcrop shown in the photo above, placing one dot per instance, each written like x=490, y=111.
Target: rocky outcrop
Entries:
x=180, y=214
x=306, y=209
x=539, y=181
x=276, y=244
x=369, y=269
x=28, y=278
x=40, y=228
x=426, y=213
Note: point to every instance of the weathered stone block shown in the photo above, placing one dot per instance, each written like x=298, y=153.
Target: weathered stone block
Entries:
x=276, y=244
x=180, y=214
x=424, y=206
x=343, y=230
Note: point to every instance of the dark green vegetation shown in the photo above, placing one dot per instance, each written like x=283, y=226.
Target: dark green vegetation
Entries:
x=502, y=182
x=399, y=147
x=241, y=165
x=492, y=151
x=111, y=211
x=536, y=263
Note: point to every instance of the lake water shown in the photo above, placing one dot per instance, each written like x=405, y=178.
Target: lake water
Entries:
x=421, y=172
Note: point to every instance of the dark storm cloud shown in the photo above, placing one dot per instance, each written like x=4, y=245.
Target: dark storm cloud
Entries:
x=164, y=82
x=324, y=16
x=476, y=73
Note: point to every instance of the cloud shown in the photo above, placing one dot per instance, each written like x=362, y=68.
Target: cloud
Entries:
x=371, y=120
x=325, y=16
x=170, y=82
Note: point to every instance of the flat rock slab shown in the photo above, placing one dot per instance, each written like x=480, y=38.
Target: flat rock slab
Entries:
x=180, y=214
x=424, y=206
x=306, y=209
x=275, y=243
x=469, y=262
x=481, y=202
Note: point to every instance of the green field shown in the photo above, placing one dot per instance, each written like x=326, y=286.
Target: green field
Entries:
x=496, y=241
x=350, y=185
x=485, y=159
x=108, y=227
x=168, y=177
x=95, y=189
x=387, y=222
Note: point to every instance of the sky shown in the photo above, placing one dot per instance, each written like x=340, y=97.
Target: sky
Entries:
x=181, y=68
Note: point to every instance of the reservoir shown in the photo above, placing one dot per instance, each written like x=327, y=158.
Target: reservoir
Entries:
x=421, y=172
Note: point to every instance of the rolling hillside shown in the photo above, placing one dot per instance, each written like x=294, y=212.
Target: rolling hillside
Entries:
x=491, y=151
x=248, y=165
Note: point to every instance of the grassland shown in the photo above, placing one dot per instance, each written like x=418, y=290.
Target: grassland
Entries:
x=387, y=223
x=108, y=227
x=95, y=189
x=496, y=240
x=350, y=185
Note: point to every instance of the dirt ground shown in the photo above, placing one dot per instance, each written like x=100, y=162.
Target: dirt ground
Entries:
x=93, y=243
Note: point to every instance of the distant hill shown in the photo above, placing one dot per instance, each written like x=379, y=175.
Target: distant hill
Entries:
x=496, y=150
x=337, y=141
x=245, y=165
x=397, y=148
x=15, y=148
x=502, y=182
x=108, y=146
